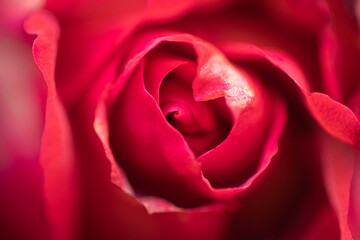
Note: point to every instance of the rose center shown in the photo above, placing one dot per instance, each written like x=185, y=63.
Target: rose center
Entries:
x=181, y=117
x=204, y=124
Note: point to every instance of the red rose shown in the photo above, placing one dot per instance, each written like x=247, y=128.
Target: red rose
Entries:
x=199, y=120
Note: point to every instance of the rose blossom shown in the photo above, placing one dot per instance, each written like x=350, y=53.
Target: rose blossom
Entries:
x=193, y=120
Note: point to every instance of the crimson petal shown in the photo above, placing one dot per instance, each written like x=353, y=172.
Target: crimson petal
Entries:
x=184, y=167
x=57, y=155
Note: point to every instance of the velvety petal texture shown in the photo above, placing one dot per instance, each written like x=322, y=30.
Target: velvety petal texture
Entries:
x=189, y=119
x=175, y=158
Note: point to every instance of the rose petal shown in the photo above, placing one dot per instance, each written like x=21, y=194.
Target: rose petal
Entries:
x=345, y=48
x=328, y=58
x=155, y=73
x=321, y=225
x=121, y=214
x=117, y=12
x=278, y=196
x=287, y=65
x=170, y=155
x=208, y=224
x=88, y=43
x=340, y=55
x=265, y=27
x=57, y=155
x=101, y=127
x=338, y=164
x=204, y=124
x=354, y=209
x=334, y=117
x=237, y=166
x=307, y=13
x=158, y=65
x=138, y=111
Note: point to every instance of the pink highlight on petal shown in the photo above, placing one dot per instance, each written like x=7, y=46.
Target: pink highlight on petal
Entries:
x=158, y=205
x=271, y=144
x=218, y=78
x=101, y=126
x=57, y=154
x=334, y=117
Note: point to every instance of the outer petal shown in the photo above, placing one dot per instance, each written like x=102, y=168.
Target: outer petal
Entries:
x=340, y=55
x=264, y=25
x=321, y=223
x=264, y=222
x=116, y=12
x=121, y=11
x=339, y=164
x=88, y=43
x=210, y=224
x=336, y=118
x=265, y=209
x=340, y=52
x=354, y=209
x=92, y=32
x=57, y=155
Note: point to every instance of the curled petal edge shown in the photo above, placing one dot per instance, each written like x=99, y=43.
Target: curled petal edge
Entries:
x=335, y=118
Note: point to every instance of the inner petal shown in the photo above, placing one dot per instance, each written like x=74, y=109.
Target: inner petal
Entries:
x=205, y=124
x=181, y=117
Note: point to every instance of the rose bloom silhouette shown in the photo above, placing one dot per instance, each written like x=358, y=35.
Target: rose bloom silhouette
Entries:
x=180, y=119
